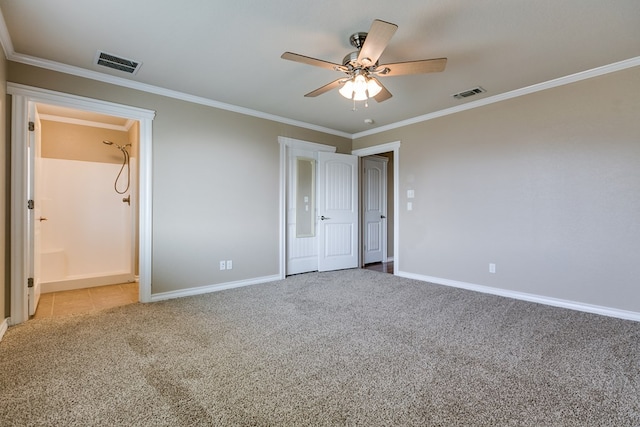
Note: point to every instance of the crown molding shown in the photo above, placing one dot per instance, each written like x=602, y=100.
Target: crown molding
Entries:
x=119, y=81
x=11, y=55
x=561, y=81
x=5, y=38
x=7, y=45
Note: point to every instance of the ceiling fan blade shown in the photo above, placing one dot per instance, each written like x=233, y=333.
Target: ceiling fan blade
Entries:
x=326, y=88
x=384, y=94
x=377, y=39
x=413, y=67
x=313, y=61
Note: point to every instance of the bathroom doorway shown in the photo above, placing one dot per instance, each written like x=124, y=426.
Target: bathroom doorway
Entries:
x=23, y=215
x=86, y=174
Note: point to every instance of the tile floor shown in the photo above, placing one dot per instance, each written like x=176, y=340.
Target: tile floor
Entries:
x=67, y=303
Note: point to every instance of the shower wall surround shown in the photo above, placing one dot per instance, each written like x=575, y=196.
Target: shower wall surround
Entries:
x=87, y=237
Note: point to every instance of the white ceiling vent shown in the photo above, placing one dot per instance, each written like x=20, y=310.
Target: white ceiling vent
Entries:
x=468, y=93
x=117, y=63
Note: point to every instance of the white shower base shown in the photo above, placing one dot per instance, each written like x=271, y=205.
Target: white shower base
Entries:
x=55, y=264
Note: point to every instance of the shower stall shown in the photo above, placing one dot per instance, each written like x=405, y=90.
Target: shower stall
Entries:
x=87, y=222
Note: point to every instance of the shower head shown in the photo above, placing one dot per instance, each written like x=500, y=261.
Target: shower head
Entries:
x=122, y=148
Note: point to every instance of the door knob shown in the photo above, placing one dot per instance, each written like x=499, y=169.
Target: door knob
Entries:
x=42, y=219
x=382, y=217
x=324, y=217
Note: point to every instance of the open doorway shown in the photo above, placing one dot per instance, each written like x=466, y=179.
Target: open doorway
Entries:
x=23, y=213
x=319, y=208
x=377, y=218
x=85, y=172
x=379, y=206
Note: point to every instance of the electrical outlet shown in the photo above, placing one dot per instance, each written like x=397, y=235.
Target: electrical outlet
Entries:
x=492, y=268
x=223, y=265
x=229, y=265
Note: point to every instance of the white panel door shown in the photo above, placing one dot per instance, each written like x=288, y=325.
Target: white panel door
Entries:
x=337, y=211
x=35, y=217
x=374, y=202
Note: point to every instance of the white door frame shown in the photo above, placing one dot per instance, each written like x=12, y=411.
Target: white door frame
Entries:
x=22, y=96
x=385, y=148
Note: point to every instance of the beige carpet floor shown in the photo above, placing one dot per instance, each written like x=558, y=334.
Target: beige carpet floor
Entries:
x=341, y=348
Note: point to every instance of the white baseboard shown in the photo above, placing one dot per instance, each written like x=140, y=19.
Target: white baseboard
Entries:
x=212, y=288
x=389, y=259
x=540, y=299
x=86, y=282
x=3, y=327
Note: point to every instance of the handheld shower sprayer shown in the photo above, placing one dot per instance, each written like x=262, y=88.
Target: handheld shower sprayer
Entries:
x=120, y=147
x=125, y=162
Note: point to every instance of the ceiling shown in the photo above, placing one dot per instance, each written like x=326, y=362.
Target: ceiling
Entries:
x=228, y=52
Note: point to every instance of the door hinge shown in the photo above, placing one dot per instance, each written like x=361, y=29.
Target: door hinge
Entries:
x=30, y=204
x=32, y=126
x=30, y=282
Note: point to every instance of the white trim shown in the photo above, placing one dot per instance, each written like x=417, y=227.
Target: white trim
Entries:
x=299, y=144
x=572, y=78
x=81, y=122
x=200, y=290
x=5, y=38
x=3, y=327
x=131, y=84
x=22, y=96
x=379, y=149
x=540, y=299
x=19, y=273
x=47, y=96
x=5, y=41
x=282, y=212
x=376, y=149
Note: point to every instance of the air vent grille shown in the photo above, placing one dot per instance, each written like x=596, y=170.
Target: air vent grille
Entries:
x=468, y=93
x=117, y=63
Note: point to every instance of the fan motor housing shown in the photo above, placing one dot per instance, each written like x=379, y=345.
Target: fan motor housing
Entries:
x=357, y=40
x=351, y=59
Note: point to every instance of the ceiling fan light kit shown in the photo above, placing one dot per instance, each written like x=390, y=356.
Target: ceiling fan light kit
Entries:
x=362, y=68
x=360, y=88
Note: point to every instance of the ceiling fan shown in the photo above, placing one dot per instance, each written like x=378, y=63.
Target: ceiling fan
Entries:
x=362, y=67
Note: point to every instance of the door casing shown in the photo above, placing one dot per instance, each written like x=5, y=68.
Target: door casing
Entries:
x=385, y=148
x=23, y=96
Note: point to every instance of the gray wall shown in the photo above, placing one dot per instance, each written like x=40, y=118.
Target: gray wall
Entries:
x=215, y=182
x=546, y=186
